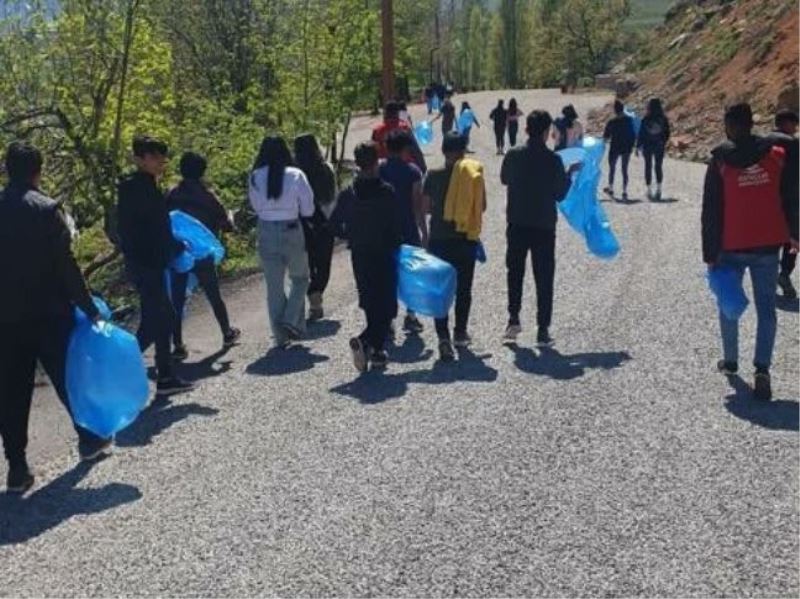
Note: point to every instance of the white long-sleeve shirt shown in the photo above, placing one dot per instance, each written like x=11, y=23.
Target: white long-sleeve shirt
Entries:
x=296, y=200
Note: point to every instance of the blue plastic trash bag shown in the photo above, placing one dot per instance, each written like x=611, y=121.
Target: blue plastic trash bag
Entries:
x=436, y=104
x=726, y=284
x=200, y=242
x=480, y=252
x=637, y=122
x=465, y=121
x=425, y=284
x=106, y=379
x=581, y=207
x=424, y=133
x=102, y=307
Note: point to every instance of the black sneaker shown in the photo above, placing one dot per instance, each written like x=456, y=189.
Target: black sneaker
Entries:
x=609, y=192
x=92, y=451
x=173, y=384
x=359, y=354
x=446, y=351
x=180, y=353
x=785, y=283
x=762, y=386
x=379, y=359
x=543, y=338
x=727, y=368
x=19, y=479
x=412, y=324
x=462, y=340
x=231, y=337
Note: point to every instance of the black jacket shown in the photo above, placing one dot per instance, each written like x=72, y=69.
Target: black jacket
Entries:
x=144, y=227
x=368, y=216
x=40, y=275
x=195, y=199
x=742, y=155
x=620, y=132
x=536, y=181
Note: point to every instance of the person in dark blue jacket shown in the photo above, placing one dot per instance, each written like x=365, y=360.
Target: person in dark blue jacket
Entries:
x=367, y=215
x=620, y=136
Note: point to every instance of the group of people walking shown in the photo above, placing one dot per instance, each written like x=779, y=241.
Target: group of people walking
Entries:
x=651, y=140
x=750, y=211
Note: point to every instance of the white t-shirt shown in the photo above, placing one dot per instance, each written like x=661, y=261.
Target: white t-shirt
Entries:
x=296, y=200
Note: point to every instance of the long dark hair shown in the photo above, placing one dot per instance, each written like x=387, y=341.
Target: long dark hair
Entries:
x=512, y=106
x=309, y=160
x=274, y=154
x=570, y=115
x=655, y=108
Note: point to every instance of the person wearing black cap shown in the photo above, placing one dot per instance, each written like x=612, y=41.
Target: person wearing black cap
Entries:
x=41, y=283
x=536, y=181
x=785, y=135
x=452, y=246
x=148, y=247
x=749, y=212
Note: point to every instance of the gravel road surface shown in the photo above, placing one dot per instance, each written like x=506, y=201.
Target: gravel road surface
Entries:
x=616, y=463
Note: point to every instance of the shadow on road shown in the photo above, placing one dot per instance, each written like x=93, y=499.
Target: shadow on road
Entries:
x=788, y=305
x=322, y=328
x=376, y=387
x=206, y=368
x=278, y=362
x=25, y=518
x=549, y=362
x=780, y=414
x=156, y=418
x=412, y=351
x=665, y=201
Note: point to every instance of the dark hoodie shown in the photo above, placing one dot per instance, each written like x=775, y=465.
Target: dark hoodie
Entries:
x=367, y=215
x=744, y=154
x=195, y=199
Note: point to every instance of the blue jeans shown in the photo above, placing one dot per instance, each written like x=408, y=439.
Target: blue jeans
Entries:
x=764, y=276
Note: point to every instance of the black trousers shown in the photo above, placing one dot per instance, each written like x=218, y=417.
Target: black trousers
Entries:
x=788, y=260
x=206, y=274
x=320, y=255
x=376, y=280
x=541, y=244
x=513, y=129
x=157, y=314
x=612, y=167
x=653, y=157
x=460, y=253
x=500, y=137
x=21, y=345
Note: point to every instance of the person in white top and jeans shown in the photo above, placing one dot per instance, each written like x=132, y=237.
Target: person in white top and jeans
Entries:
x=281, y=195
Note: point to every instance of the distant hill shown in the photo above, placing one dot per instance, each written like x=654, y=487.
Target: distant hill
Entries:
x=709, y=53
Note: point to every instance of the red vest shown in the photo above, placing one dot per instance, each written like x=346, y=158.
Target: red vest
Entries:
x=381, y=132
x=752, y=206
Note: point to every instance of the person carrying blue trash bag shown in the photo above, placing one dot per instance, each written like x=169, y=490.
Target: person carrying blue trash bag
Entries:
x=198, y=218
x=42, y=283
x=368, y=216
x=148, y=247
x=536, y=181
x=750, y=211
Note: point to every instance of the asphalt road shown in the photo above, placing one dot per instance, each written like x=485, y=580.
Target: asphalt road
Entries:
x=616, y=463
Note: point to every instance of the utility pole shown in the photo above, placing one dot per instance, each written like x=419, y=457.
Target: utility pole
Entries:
x=387, y=22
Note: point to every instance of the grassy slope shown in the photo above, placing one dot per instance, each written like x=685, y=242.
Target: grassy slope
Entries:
x=648, y=13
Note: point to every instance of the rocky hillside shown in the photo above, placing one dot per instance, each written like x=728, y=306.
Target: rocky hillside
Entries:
x=709, y=53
